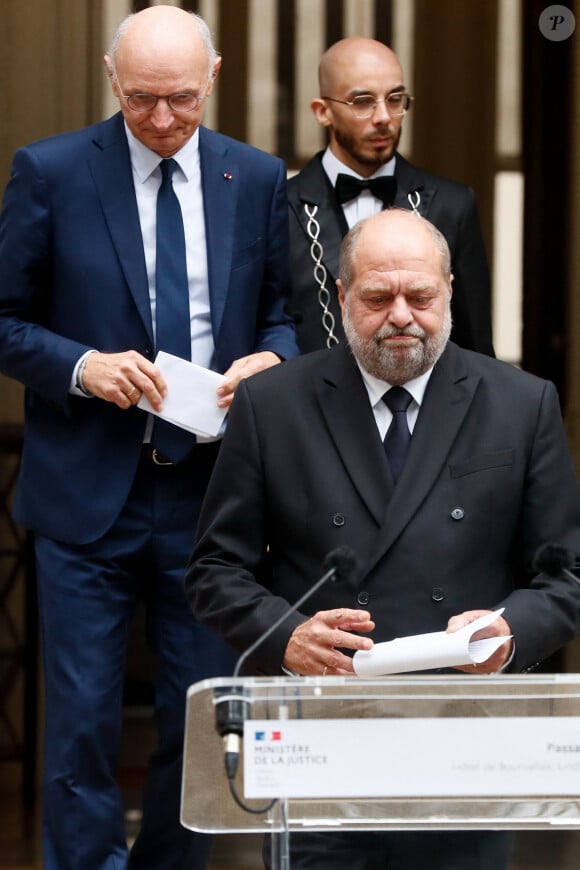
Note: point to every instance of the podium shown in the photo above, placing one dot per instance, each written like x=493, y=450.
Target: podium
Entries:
x=406, y=753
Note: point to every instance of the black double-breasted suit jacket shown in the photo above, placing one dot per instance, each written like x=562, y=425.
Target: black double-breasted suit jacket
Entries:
x=487, y=480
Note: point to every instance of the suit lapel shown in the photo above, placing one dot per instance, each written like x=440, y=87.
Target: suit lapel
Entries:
x=110, y=165
x=316, y=194
x=347, y=413
x=345, y=407
x=447, y=400
x=220, y=185
x=412, y=188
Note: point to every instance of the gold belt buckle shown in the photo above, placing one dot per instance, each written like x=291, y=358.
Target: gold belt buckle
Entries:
x=158, y=460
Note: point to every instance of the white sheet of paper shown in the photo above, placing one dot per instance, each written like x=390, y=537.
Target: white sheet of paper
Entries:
x=422, y=652
x=191, y=400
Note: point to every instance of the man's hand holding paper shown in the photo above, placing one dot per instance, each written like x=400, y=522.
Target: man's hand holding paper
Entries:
x=196, y=398
x=498, y=628
x=191, y=400
x=477, y=641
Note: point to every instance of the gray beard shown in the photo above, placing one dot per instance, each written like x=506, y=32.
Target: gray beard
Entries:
x=396, y=366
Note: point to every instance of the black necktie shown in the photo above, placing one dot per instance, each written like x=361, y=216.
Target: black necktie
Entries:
x=172, y=320
x=397, y=399
x=384, y=188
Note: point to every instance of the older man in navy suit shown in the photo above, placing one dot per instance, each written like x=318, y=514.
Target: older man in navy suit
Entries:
x=111, y=496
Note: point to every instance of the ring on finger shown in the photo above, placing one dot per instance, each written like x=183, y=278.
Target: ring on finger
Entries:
x=131, y=391
x=325, y=670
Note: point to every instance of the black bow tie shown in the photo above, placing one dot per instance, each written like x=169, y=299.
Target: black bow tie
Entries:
x=384, y=188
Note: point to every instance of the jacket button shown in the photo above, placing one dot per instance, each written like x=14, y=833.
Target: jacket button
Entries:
x=457, y=513
x=148, y=350
x=363, y=599
x=437, y=594
x=338, y=520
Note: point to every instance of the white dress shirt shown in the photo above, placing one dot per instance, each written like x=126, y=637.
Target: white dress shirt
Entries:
x=187, y=187
x=145, y=166
x=377, y=388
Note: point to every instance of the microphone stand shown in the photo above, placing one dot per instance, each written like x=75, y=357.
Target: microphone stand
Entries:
x=231, y=709
x=296, y=606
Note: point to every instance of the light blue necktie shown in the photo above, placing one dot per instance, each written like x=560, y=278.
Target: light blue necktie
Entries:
x=172, y=318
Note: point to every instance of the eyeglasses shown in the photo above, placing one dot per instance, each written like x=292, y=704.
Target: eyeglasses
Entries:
x=177, y=102
x=365, y=105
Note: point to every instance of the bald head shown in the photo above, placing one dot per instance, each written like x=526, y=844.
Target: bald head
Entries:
x=161, y=34
x=353, y=68
x=396, y=234
x=163, y=52
x=352, y=57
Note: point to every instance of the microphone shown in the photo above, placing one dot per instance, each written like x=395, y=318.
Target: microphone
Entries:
x=555, y=561
x=230, y=714
x=230, y=707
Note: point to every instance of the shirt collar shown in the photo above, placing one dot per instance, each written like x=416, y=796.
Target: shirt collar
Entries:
x=145, y=161
x=333, y=166
x=376, y=388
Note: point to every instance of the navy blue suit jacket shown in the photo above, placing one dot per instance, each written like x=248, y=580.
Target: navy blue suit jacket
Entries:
x=73, y=277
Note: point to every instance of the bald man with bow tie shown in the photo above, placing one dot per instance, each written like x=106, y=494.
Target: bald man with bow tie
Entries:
x=362, y=104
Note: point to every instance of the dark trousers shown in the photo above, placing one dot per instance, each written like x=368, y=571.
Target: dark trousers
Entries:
x=398, y=850
x=87, y=598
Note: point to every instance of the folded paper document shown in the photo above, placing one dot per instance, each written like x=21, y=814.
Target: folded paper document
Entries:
x=422, y=652
x=191, y=400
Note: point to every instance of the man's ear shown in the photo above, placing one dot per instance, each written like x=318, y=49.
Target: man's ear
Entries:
x=215, y=72
x=111, y=73
x=321, y=111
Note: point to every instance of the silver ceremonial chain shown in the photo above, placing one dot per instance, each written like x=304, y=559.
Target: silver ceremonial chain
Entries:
x=415, y=201
x=320, y=274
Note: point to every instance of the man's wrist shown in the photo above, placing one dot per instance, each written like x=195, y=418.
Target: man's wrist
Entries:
x=79, y=383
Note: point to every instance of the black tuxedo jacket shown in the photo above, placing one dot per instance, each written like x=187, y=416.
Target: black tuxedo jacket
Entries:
x=488, y=478
x=447, y=204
